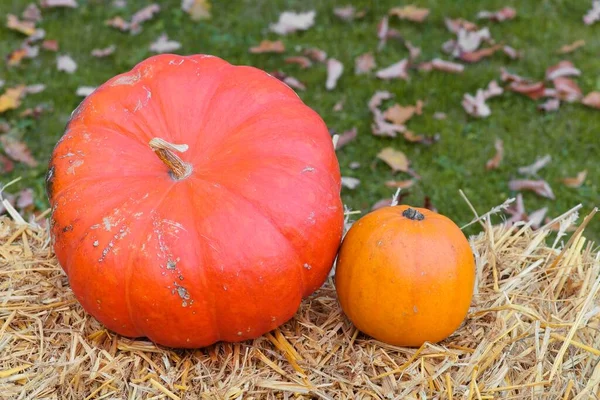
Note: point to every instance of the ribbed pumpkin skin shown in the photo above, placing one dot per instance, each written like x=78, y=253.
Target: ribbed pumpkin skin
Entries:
x=404, y=281
x=227, y=253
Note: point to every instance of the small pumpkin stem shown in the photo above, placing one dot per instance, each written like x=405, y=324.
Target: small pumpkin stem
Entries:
x=413, y=214
x=165, y=151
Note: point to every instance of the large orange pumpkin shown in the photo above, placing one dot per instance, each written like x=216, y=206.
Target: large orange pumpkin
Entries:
x=405, y=275
x=194, y=201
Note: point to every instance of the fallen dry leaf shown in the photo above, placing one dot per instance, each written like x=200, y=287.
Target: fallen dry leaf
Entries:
x=398, y=114
x=6, y=164
x=455, y=25
x=197, y=9
x=15, y=57
x=593, y=15
x=35, y=88
x=442, y=65
x=382, y=203
x=477, y=55
x=334, y=70
x=25, y=27
x=346, y=137
x=350, y=182
x=315, y=54
x=567, y=89
x=467, y=41
x=348, y=13
x=534, y=168
x=118, y=23
x=396, y=159
x=382, y=31
x=382, y=128
x=577, y=181
x=289, y=80
x=378, y=98
x=397, y=70
x=17, y=150
x=540, y=187
x=501, y=15
x=32, y=13
x=290, y=22
x=339, y=106
x=532, y=90
x=495, y=161
x=427, y=140
x=66, y=63
x=410, y=13
x=413, y=51
x=268, y=46
x=35, y=112
x=592, y=99
x=550, y=105
x=85, y=91
x=476, y=105
x=164, y=45
x=563, y=68
x=51, y=45
x=107, y=51
x=58, y=3
x=406, y=184
x=511, y=53
x=569, y=48
x=364, y=63
x=11, y=98
x=24, y=199
x=354, y=165
x=135, y=25
x=303, y=62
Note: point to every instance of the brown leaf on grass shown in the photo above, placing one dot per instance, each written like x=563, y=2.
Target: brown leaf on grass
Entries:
x=406, y=184
x=105, y=52
x=135, y=25
x=396, y=159
x=339, y=106
x=532, y=90
x=25, y=199
x=348, y=13
x=501, y=15
x=398, y=114
x=17, y=151
x=35, y=112
x=567, y=89
x=334, y=71
x=397, y=70
x=51, y=45
x=84, y=91
x=540, y=187
x=384, y=32
x=577, y=181
x=455, y=25
x=197, y=9
x=268, y=46
x=563, y=68
x=117, y=23
x=382, y=128
x=410, y=13
x=420, y=138
x=382, y=203
x=290, y=22
x=569, y=48
x=477, y=55
x=11, y=98
x=346, y=137
x=6, y=164
x=32, y=13
x=476, y=105
x=378, y=98
x=550, y=105
x=24, y=27
x=315, y=54
x=364, y=63
x=303, y=62
x=350, y=182
x=289, y=80
x=442, y=65
x=15, y=57
x=66, y=63
x=494, y=162
x=593, y=15
x=58, y=3
x=164, y=45
x=467, y=41
x=592, y=99
x=534, y=168
x=511, y=53
x=35, y=88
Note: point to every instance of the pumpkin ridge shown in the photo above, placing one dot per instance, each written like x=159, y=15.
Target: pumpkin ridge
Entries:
x=275, y=226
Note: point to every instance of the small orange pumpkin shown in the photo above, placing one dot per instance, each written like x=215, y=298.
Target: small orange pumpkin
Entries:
x=405, y=275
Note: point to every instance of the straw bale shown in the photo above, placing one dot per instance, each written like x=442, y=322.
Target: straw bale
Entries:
x=531, y=333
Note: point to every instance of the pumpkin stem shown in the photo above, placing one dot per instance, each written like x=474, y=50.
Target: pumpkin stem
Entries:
x=165, y=151
x=413, y=214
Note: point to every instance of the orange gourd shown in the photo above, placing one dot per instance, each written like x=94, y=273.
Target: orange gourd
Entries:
x=194, y=201
x=405, y=275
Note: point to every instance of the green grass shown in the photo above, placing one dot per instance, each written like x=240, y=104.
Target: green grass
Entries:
x=570, y=136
